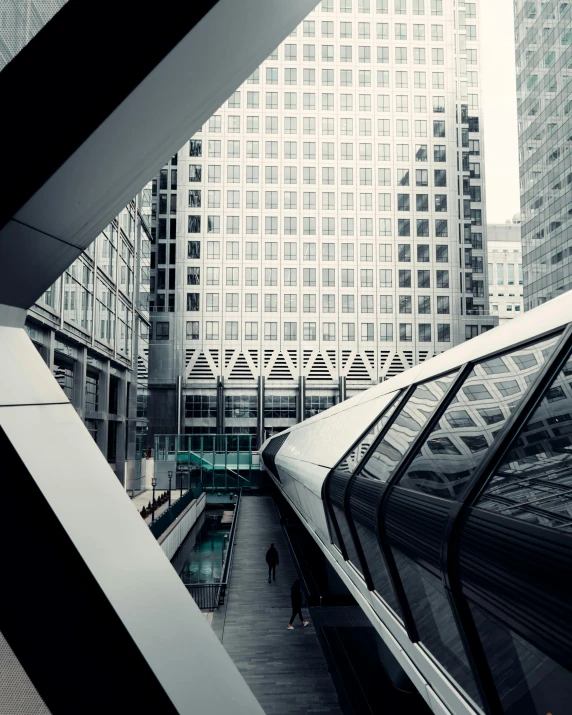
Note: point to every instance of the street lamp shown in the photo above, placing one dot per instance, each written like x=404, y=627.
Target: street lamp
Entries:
x=153, y=484
x=170, y=477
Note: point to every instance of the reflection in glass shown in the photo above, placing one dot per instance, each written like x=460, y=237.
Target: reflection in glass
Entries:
x=534, y=481
x=457, y=444
x=435, y=622
x=407, y=425
x=528, y=681
x=350, y=462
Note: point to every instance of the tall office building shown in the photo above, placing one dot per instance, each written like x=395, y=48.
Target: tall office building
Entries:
x=92, y=329
x=325, y=229
x=505, y=270
x=544, y=70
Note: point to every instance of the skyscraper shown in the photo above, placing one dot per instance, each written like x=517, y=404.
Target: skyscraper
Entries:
x=325, y=229
x=92, y=326
x=504, y=272
x=543, y=34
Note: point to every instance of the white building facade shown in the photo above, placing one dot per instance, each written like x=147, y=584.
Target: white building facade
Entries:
x=325, y=230
x=505, y=270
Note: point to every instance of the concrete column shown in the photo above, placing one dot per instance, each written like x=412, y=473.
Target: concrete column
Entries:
x=260, y=413
x=220, y=405
x=301, y=398
x=79, y=380
x=49, y=348
x=121, y=428
x=341, y=388
x=103, y=408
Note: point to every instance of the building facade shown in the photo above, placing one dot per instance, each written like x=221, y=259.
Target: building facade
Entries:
x=504, y=272
x=326, y=228
x=92, y=329
x=543, y=34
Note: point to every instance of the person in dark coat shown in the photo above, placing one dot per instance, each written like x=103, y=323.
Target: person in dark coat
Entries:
x=296, y=597
x=272, y=560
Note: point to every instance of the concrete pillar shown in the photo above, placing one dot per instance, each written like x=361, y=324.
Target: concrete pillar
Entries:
x=49, y=347
x=260, y=412
x=79, y=380
x=121, y=438
x=220, y=405
x=301, y=398
x=103, y=408
x=341, y=388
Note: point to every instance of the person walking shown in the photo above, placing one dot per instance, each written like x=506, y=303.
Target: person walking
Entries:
x=296, y=597
x=272, y=560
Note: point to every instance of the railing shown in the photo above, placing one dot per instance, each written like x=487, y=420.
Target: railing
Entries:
x=205, y=595
x=162, y=522
x=209, y=596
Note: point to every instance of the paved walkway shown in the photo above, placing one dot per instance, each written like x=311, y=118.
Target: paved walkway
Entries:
x=144, y=498
x=285, y=669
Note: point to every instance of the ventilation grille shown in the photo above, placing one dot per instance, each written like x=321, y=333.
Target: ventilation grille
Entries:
x=201, y=370
x=142, y=369
x=306, y=355
x=358, y=370
x=383, y=356
x=319, y=369
x=332, y=356
x=188, y=356
x=396, y=366
x=254, y=357
x=241, y=370
x=293, y=355
x=408, y=354
x=422, y=355
x=280, y=369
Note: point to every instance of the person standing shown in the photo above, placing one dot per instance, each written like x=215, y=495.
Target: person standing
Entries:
x=272, y=560
x=296, y=597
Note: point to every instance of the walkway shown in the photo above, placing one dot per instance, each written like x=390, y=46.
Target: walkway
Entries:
x=143, y=498
x=285, y=669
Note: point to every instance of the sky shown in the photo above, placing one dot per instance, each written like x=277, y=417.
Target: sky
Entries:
x=499, y=110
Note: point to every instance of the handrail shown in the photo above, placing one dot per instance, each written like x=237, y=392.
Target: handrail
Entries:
x=220, y=586
x=230, y=551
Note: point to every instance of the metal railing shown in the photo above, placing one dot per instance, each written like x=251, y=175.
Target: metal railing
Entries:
x=205, y=595
x=209, y=596
x=162, y=522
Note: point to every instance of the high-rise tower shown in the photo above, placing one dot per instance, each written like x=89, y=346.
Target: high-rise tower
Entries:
x=325, y=229
x=543, y=34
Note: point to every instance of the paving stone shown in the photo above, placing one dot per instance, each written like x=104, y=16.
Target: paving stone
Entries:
x=286, y=670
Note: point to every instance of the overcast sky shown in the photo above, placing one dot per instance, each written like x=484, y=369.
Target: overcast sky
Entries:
x=499, y=109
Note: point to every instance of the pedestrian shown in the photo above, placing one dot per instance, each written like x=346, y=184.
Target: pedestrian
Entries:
x=272, y=560
x=296, y=597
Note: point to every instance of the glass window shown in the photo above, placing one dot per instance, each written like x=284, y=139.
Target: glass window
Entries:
x=407, y=425
x=454, y=449
x=533, y=482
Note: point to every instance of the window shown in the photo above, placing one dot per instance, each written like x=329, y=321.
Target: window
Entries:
x=385, y=278
x=270, y=331
x=328, y=331
x=309, y=331
x=348, y=304
x=290, y=331
x=405, y=304
x=348, y=332
x=404, y=278
x=290, y=303
x=405, y=332
x=424, y=332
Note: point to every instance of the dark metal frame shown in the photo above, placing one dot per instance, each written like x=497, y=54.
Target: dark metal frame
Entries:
x=450, y=545
x=450, y=554
x=325, y=496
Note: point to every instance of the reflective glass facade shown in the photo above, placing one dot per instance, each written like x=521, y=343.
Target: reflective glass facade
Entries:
x=543, y=33
x=454, y=508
